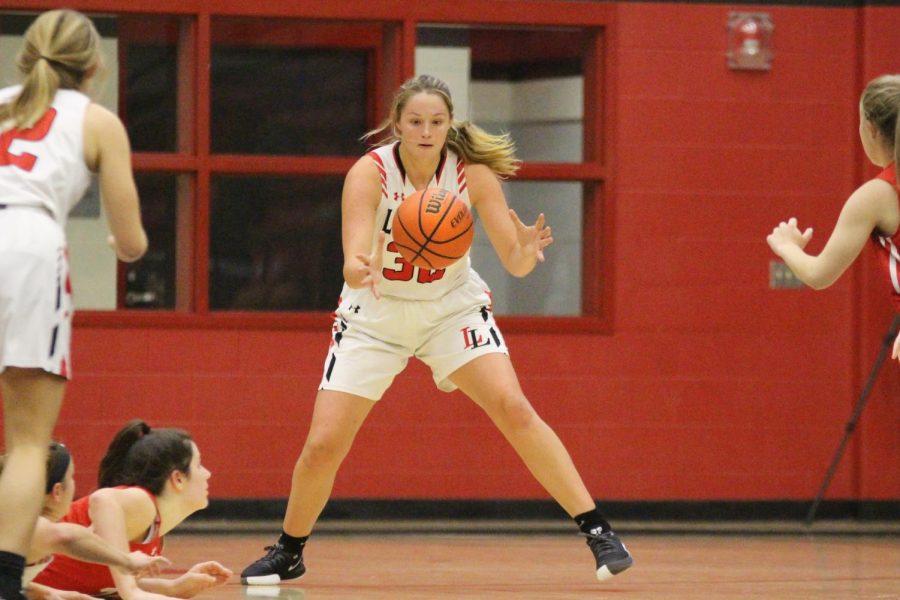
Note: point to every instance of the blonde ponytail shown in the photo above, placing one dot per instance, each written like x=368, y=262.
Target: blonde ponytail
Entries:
x=60, y=50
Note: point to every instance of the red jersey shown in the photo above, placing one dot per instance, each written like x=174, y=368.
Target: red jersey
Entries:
x=888, y=248
x=66, y=573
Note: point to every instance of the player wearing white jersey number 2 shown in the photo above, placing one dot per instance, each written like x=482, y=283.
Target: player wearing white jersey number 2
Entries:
x=51, y=139
x=390, y=311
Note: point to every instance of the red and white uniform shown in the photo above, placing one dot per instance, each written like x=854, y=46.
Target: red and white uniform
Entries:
x=43, y=174
x=443, y=317
x=44, y=166
x=888, y=248
x=66, y=573
x=401, y=279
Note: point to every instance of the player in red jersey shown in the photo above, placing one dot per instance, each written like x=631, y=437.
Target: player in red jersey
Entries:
x=52, y=138
x=150, y=481
x=872, y=212
x=53, y=537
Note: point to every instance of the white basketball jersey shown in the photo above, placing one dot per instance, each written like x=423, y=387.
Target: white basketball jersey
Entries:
x=44, y=166
x=401, y=279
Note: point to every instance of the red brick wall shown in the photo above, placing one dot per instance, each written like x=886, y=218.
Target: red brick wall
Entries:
x=711, y=386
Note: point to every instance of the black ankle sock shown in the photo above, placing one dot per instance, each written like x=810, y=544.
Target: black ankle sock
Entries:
x=11, y=568
x=590, y=521
x=292, y=544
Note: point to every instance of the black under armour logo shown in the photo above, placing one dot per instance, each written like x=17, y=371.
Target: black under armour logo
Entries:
x=354, y=308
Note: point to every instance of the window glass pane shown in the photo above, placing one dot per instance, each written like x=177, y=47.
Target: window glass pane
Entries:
x=558, y=279
x=286, y=94
x=275, y=243
x=527, y=81
x=149, y=55
x=150, y=282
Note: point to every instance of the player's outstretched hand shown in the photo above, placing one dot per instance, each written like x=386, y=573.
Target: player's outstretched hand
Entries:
x=532, y=238
x=371, y=266
x=787, y=233
x=199, y=578
x=145, y=565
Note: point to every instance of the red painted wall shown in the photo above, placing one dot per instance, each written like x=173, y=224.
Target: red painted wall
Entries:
x=711, y=385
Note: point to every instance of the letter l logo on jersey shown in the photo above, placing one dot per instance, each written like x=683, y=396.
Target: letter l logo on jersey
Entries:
x=473, y=339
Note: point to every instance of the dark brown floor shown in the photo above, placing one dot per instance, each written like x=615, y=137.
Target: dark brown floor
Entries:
x=550, y=567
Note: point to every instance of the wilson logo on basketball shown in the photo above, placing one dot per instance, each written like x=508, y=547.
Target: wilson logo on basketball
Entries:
x=435, y=202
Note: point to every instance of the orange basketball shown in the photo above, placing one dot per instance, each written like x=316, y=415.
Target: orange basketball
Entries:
x=433, y=229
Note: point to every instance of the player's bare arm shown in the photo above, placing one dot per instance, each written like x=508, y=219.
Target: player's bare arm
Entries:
x=362, y=191
x=108, y=153
x=518, y=246
x=862, y=213
x=108, y=510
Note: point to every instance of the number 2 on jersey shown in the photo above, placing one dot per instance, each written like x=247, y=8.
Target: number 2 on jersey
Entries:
x=39, y=131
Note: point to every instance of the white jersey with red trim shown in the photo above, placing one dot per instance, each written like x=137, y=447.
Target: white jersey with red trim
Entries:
x=44, y=166
x=401, y=279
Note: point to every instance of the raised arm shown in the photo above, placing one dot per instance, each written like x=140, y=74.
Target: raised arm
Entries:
x=862, y=213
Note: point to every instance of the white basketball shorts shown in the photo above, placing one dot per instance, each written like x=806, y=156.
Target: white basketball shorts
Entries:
x=35, y=292
x=372, y=340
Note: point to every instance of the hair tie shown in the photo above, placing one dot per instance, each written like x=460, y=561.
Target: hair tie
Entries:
x=61, y=66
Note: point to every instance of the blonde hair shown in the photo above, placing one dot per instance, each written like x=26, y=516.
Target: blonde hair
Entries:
x=472, y=143
x=60, y=48
x=880, y=103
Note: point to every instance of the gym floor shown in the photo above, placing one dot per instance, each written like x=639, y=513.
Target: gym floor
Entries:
x=733, y=562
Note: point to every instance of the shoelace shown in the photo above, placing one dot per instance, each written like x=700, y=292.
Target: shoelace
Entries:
x=601, y=542
x=277, y=554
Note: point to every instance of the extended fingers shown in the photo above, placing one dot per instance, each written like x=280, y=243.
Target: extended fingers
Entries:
x=515, y=219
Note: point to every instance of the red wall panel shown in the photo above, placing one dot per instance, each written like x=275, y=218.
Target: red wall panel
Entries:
x=711, y=386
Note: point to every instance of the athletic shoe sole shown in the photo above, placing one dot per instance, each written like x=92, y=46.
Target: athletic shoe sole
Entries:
x=610, y=570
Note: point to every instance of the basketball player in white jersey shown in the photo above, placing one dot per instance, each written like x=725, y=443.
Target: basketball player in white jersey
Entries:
x=390, y=311
x=52, y=137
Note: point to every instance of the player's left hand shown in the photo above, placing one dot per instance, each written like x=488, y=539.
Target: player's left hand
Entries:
x=532, y=238
x=788, y=233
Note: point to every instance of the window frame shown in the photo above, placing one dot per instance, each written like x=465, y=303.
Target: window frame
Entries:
x=395, y=63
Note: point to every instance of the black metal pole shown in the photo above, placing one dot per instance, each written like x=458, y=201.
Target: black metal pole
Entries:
x=857, y=411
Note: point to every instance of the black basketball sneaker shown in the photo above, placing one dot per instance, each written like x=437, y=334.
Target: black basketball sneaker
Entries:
x=611, y=554
x=277, y=565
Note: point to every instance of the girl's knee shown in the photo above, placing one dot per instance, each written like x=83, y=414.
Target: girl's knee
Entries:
x=323, y=453
x=514, y=411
